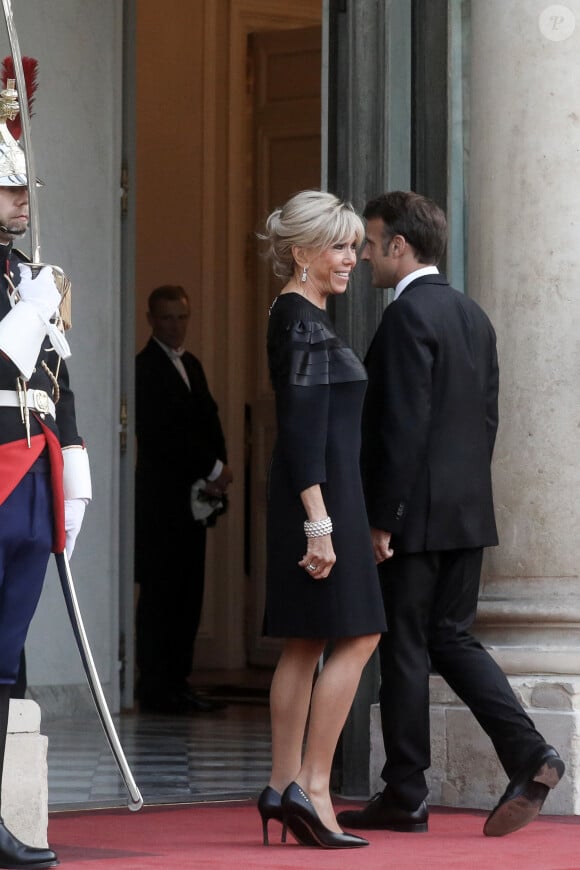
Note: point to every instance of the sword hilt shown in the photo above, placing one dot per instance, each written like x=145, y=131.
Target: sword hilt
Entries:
x=63, y=285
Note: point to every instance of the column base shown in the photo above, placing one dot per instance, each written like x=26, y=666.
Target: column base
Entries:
x=25, y=779
x=464, y=768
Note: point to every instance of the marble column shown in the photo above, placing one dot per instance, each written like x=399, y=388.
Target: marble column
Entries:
x=524, y=262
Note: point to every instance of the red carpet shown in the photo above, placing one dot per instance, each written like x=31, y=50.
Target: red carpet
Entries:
x=228, y=836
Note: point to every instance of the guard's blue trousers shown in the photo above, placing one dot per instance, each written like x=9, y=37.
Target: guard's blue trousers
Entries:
x=26, y=533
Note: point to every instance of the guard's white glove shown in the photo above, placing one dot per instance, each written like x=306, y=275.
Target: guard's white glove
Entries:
x=74, y=511
x=42, y=292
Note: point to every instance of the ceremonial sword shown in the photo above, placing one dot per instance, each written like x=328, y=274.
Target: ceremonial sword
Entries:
x=66, y=579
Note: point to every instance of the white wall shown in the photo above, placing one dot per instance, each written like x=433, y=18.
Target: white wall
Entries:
x=76, y=137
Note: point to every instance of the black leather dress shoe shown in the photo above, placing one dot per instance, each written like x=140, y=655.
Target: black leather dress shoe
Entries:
x=527, y=790
x=15, y=855
x=383, y=814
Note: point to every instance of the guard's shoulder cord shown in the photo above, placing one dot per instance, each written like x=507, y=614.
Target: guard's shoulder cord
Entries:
x=54, y=379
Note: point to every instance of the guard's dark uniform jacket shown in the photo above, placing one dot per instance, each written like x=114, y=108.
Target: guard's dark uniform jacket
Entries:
x=47, y=435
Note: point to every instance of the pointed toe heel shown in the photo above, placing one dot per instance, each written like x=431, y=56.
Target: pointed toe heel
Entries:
x=304, y=823
x=270, y=807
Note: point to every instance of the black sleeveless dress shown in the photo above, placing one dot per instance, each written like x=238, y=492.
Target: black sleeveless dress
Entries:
x=319, y=385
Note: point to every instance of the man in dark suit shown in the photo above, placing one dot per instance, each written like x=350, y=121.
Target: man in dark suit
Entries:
x=429, y=428
x=180, y=444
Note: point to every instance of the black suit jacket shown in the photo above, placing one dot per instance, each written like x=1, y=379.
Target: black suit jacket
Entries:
x=179, y=435
x=430, y=420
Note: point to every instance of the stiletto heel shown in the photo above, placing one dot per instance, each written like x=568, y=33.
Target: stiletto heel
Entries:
x=304, y=823
x=270, y=807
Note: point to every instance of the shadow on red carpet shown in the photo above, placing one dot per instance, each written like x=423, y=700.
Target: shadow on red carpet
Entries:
x=228, y=835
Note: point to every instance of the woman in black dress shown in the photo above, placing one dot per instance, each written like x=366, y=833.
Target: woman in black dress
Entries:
x=322, y=582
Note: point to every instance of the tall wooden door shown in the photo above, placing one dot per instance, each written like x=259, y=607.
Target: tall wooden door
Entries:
x=285, y=76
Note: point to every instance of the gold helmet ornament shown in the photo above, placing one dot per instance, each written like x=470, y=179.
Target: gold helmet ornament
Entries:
x=12, y=159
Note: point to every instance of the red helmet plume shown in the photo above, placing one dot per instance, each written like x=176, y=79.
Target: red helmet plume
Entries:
x=30, y=67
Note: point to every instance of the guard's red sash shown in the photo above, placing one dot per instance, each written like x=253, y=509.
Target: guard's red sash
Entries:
x=16, y=459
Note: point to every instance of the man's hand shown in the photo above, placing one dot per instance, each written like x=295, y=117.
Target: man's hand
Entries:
x=381, y=545
x=219, y=486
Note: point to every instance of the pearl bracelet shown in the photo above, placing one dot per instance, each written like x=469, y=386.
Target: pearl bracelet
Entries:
x=318, y=528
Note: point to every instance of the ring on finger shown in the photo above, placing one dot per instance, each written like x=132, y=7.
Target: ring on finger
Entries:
x=311, y=567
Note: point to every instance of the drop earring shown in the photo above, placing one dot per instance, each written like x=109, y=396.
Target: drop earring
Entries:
x=304, y=274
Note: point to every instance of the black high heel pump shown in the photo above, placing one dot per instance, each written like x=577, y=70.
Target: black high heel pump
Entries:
x=304, y=823
x=270, y=807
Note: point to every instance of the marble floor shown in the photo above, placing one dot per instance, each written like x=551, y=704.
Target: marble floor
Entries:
x=205, y=756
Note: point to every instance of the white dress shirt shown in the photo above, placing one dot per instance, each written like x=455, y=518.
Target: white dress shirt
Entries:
x=418, y=273
x=175, y=357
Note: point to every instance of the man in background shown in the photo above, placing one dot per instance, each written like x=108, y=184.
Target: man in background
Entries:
x=180, y=444
x=429, y=427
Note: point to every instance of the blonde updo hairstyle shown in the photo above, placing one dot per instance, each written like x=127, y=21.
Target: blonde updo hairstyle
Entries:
x=310, y=219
